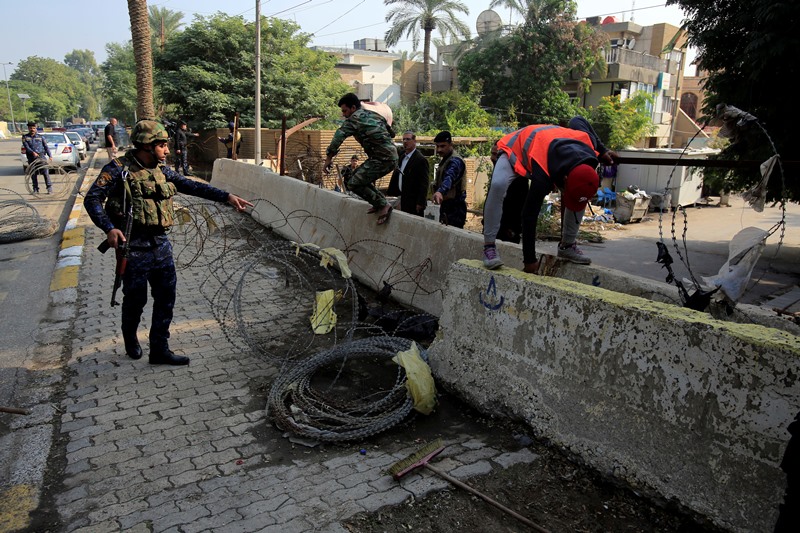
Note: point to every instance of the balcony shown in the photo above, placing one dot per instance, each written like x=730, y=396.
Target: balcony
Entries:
x=630, y=65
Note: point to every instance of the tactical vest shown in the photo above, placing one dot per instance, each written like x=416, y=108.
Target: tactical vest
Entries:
x=533, y=143
x=150, y=195
x=457, y=187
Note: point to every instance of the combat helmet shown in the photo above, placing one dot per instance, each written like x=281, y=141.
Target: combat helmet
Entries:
x=148, y=131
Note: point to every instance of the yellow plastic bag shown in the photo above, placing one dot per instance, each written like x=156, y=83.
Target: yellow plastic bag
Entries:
x=334, y=255
x=323, y=319
x=419, y=380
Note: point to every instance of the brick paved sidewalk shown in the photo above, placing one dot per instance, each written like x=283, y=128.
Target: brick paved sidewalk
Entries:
x=186, y=449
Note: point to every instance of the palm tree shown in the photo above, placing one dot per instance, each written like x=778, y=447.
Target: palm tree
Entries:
x=533, y=9
x=164, y=19
x=411, y=16
x=143, y=56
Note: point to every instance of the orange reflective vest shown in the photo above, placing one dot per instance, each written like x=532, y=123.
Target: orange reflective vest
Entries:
x=533, y=143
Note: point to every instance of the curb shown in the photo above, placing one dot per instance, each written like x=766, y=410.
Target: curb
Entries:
x=35, y=434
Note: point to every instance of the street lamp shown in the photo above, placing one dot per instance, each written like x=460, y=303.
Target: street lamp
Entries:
x=8, y=91
x=24, y=97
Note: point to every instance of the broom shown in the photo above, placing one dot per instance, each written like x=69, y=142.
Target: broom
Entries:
x=422, y=458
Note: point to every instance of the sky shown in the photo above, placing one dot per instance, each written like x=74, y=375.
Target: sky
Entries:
x=54, y=31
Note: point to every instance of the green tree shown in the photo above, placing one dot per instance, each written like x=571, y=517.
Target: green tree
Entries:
x=749, y=50
x=164, y=24
x=55, y=80
x=119, y=82
x=84, y=63
x=537, y=9
x=622, y=124
x=207, y=73
x=527, y=68
x=408, y=17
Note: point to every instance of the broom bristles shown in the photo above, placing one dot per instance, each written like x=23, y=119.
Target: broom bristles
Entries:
x=416, y=459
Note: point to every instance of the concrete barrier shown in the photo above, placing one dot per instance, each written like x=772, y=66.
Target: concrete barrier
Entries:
x=410, y=253
x=666, y=398
x=596, y=360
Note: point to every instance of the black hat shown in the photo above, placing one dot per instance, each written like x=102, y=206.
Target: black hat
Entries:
x=354, y=158
x=31, y=123
x=443, y=137
x=181, y=123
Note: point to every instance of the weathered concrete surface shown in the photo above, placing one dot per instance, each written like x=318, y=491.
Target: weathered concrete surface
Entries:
x=666, y=398
x=410, y=253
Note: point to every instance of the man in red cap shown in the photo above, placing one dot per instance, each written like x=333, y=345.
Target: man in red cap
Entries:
x=549, y=156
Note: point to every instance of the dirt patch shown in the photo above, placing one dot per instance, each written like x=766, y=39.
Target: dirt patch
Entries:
x=555, y=492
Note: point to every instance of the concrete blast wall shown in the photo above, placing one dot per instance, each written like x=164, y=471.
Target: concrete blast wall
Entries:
x=665, y=398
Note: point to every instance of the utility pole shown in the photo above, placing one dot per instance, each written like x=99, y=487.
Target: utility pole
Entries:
x=8, y=91
x=257, y=140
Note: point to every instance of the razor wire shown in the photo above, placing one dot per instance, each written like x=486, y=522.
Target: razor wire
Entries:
x=261, y=288
x=62, y=181
x=20, y=220
x=743, y=119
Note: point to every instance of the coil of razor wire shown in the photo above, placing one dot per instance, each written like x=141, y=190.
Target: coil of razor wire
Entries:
x=261, y=290
x=295, y=405
x=21, y=221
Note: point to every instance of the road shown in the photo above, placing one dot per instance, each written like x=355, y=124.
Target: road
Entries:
x=26, y=269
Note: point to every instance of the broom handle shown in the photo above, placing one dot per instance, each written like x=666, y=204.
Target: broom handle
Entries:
x=485, y=498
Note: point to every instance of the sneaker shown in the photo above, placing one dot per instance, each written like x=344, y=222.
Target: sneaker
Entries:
x=572, y=253
x=491, y=259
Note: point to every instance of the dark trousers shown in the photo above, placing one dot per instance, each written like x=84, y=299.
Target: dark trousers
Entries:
x=453, y=212
x=540, y=186
x=182, y=162
x=154, y=266
x=44, y=171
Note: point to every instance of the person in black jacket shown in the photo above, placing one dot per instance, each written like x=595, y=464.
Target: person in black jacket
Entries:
x=181, y=148
x=411, y=180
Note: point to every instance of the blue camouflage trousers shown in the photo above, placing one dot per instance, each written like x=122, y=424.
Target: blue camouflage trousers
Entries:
x=155, y=266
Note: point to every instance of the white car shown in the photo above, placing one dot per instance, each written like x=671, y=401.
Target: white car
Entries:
x=64, y=153
x=77, y=140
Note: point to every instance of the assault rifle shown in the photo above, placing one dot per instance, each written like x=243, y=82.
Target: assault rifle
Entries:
x=122, y=252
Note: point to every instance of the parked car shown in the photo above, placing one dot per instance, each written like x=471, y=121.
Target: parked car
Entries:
x=64, y=153
x=86, y=132
x=79, y=143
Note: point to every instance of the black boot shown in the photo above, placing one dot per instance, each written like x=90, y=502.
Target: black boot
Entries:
x=132, y=346
x=167, y=357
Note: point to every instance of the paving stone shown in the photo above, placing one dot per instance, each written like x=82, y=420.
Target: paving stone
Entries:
x=513, y=458
x=395, y=496
x=263, y=506
x=112, y=512
x=298, y=525
x=337, y=498
x=152, y=514
x=178, y=493
x=477, y=455
x=141, y=489
x=475, y=469
x=197, y=513
x=421, y=485
x=167, y=469
x=109, y=526
x=76, y=424
x=116, y=457
x=76, y=444
x=195, y=475
x=247, y=525
x=90, y=452
x=235, y=501
x=216, y=522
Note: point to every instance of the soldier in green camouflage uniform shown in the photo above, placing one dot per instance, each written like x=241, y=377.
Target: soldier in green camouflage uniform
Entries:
x=140, y=180
x=375, y=136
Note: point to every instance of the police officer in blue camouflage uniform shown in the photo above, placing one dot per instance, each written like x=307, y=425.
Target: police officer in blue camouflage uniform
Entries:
x=36, y=149
x=141, y=179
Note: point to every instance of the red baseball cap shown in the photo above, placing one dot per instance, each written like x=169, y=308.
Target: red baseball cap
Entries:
x=581, y=186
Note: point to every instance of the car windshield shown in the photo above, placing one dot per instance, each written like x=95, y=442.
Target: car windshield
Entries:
x=73, y=136
x=53, y=138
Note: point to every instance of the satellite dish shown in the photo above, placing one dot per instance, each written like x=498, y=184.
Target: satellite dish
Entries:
x=631, y=43
x=488, y=22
